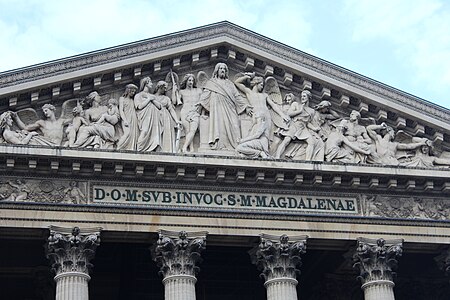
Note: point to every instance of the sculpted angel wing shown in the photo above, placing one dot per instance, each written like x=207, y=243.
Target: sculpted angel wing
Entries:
x=28, y=116
x=273, y=90
x=367, y=121
x=173, y=87
x=67, y=108
x=403, y=137
x=202, y=79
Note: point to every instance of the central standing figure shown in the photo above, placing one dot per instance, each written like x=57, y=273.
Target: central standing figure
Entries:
x=224, y=103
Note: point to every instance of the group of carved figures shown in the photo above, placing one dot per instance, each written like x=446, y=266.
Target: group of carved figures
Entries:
x=281, y=126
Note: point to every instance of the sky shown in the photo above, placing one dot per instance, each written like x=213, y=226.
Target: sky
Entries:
x=401, y=43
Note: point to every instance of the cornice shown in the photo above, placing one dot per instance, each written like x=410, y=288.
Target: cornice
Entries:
x=216, y=171
x=222, y=30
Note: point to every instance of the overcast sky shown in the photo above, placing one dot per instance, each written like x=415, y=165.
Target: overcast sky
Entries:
x=402, y=43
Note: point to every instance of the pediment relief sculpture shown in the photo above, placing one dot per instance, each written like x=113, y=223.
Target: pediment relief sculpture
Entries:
x=241, y=114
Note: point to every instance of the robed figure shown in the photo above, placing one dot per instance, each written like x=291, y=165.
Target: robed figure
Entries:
x=224, y=103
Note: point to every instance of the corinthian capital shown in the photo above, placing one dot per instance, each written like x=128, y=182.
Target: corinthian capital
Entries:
x=71, y=249
x=377, y=259
x=279, y=256
x=178, y=253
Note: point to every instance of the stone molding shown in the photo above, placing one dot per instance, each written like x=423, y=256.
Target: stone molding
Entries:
x=228, y=30
x=376, y=260
x=278, y=257
x=178, y=253
x=70, y=250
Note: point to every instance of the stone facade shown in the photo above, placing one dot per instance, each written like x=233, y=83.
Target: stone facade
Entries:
x=218, y=135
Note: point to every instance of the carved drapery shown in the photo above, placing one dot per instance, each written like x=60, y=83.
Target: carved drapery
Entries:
x=177, y=254
x=307, y=131
x=70, y=251
x=376, y=260
x=278, y=257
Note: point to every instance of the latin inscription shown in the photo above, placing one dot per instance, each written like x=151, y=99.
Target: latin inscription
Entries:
x=205, y=199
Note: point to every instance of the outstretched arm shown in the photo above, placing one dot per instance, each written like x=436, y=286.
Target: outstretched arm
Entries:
x=371, y=131
x=354, y=147
x=34, y=126
x=410, y=146
x=241, y=86
x=277, y=109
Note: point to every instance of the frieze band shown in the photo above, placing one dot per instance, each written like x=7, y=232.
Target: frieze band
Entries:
x=31, y=190
x=247, y=116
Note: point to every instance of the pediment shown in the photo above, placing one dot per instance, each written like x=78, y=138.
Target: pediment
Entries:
x=68, y=82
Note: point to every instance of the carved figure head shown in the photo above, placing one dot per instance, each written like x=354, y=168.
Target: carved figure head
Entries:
x=305, y=97
x=48, y=110
x=390, y=132
x=5, y=119
x=146, y=81
x=258, y=81
x=284, y=239
x=130, y=90
x=220, y=71
x=77, y=111
x=90, y=99
x=355, y=115
x=289, y=98
x=75, y=231
x=189, y=81
x=161, y=87
x=112, y=102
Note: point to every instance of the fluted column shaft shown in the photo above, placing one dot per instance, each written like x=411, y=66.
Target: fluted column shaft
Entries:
x=178, y=254
x=378, y=290
x=72, y=286
x=70, y=251
x=377, y=261
x=278, y=259
x=281, y=288
x=179, y=287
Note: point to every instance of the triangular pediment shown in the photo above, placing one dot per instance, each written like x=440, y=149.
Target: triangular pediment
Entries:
x=68, y=82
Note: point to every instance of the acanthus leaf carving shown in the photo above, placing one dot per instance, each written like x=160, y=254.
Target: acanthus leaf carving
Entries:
x=279, y=257
x=376, y=259
x=72, y=249
x=179, y=253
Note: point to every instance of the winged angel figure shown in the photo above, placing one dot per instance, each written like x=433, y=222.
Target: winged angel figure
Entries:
x=191, y=88
x=264, y=97
x=47, y=131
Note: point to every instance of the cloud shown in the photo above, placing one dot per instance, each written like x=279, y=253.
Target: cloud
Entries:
x=38, y=31
x=419, y=31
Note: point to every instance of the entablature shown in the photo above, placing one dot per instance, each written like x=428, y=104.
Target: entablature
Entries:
x=209, y=169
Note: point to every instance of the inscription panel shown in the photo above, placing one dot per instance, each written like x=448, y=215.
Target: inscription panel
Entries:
x=239, y=201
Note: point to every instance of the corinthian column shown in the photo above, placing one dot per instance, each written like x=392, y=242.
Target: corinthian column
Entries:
x=278, y=259
x=178, y=254
x=70, y=251
x=377, y=261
